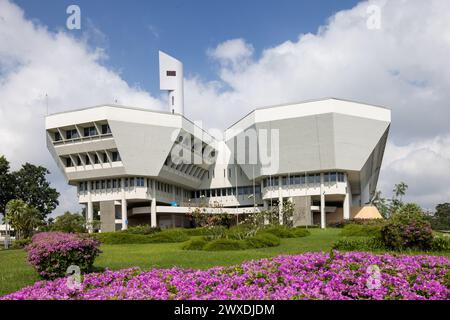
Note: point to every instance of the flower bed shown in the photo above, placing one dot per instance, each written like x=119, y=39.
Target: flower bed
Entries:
x=306, y=276
x=51, y=253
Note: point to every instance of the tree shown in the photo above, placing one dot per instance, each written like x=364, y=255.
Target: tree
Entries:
x=441, y=218
x=381, y=204
x=33, y=188
x=6, y=184
x=69, y=222
x=387, y=207
x=23, y=218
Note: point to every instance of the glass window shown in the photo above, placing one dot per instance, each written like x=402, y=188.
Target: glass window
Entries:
x=69, y=162
x=131, y=182
x=103, y=184
x=326, y=177
x=115, y=156
x=81, y=186
x=97, y=185
x=57, y=136
x=241, y=191
x=114, y=183
x=311, y=178
x=108, y=184
x=105, y=129
x=341, y=177
x=91, y=131
x=285, y=181
x=96, y=160
x=79, y=161
x=105, y=158
x=88, y=160
x=333, y=177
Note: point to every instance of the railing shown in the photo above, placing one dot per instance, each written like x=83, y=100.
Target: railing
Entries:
x=83, y=139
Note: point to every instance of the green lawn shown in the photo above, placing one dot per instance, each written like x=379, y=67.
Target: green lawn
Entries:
x=15, y=273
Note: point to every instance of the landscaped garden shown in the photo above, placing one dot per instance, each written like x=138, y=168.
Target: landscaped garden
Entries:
x=401, y=257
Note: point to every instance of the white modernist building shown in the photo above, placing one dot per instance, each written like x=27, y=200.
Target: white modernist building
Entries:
x=137, y=166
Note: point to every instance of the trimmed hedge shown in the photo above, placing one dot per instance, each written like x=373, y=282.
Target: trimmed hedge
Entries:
x=286, y=232
x=142, y=229
x=194, y=244
x=360, y=230
x=225, y=244
x=263, y=240
x=366, y=244
x=165, y=236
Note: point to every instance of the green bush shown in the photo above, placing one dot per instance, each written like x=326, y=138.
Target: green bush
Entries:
x=165, y=236
x=408, y=228
x=440, y=244
x=361, y=230
x=121, y=238
x=369, y=222
x=214, y=232
x=300, y=232
x=240, y=232
x=225, y=244
x=286, y=232
x=169, y=235
x=20, y=244
x=196, y=231
x=142, y=229
x=366, y=244
x=194, y=244
x=262, y=240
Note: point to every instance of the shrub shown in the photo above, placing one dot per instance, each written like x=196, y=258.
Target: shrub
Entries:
x=196, y=231
x=169, y=235
x=286, y=232
x=51, y=253
x=240, y=232
x=262, y=240
x=367, y=244
x=214, y=232
x=194, y=244
x=165, y=236
x=440, y=244
x=121, y=238
x=225, y=244
x=361, y=230
x=142, y=229
x=20, y=244
x=69, y=222
x=343, y=223
x=408, y=228
x=300, y=232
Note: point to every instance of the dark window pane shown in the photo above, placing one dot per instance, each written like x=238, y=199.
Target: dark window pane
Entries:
x=171, y=73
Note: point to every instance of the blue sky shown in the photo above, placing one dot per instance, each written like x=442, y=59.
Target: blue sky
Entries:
x=133, y=31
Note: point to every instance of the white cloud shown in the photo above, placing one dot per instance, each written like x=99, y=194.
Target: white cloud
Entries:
x=35, y=62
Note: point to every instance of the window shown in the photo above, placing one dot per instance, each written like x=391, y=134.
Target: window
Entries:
x=79, y=161
x=115, y=156
x=97, y=185
x=91, y=131
x=126, y=183
x=258, y=189
x=87, y=160
x=114, y=183
x=106, y=129
x=333, y=177
x=311, y=179
x=326, y=177
x=131, y=182
x=341, y=177
x=81, y=187
x=170, y=73
x=96, y=160
x=57, y=136
x=285, y=181
x=103, y=184
x=69, y=162
x=275, y=181
x=173, y=100
x=72, y=134
x=140, y=182
x=108, y=184
x=229, y=173
x=105, y=158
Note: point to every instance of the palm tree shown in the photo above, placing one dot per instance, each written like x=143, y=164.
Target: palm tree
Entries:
x=23, y=218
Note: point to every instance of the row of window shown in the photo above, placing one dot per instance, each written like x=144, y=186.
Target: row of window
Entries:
x=304, y=179
x=87, y=132
x=115, y=156
x=223, y=192
x=132, y=182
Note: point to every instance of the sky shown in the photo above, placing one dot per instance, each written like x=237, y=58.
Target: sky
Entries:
x=237, y=55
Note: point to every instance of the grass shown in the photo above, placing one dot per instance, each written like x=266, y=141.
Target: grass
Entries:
x=15, y=272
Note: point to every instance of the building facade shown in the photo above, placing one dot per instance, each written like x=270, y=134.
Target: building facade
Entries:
x=135, y=166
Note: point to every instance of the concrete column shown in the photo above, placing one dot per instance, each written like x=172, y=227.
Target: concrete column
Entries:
x=280, y=201
x=153, y=223
x=346, y=206
x=90, y=210
x=322, y=203
x=124, y=206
